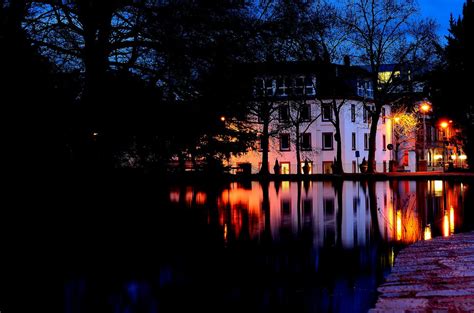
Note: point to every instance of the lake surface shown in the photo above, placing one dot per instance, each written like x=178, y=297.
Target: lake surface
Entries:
x=252, y=247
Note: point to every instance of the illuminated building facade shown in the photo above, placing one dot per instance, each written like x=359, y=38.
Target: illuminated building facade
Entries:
x=304, y=95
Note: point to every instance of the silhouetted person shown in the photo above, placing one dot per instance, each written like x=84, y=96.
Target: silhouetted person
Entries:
x=306, y=167
x=276, y=167
x=364, y=165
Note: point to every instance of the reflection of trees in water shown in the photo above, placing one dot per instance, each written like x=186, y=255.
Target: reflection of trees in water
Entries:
x=344, y=214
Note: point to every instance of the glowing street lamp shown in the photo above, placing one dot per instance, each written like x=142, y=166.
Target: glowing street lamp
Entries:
x=444, y=125
x=425, y=107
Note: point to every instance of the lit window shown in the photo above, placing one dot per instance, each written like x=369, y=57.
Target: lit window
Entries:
x=386, y=77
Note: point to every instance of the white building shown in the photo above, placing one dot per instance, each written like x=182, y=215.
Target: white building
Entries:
x=307, y=87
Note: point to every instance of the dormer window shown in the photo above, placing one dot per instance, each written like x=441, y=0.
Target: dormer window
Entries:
x=259, y=87
x=365, y=89
x=282, y=87
x=310, y=84
x=269, y=87
x=299, y=85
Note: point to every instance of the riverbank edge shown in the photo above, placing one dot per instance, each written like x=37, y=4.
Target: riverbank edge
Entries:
x=202, y=177
x=434, y=275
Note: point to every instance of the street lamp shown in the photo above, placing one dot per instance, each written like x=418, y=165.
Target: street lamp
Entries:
x=444, y=125
x=425, y=107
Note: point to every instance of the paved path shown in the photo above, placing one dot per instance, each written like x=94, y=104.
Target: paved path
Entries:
x=431, y=276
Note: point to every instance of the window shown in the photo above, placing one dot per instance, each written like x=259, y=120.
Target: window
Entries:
x=354, y=142
x=306, y=142
x=259, y=86
x=353, y=113
x=329, y=209
x=327, y=141
x=284, y=111
x=281, y=87
x=310, y=83
x=365, y=89
x=360, y=89
x=310, y=165
x=366, y=141
x=364, y=115
x=285, y=207
x=369, y=90
x=269, y=87
x=285, y=169
x=305, y=113
x=284, y=142
x=299, y=85
x=383, y=115
x=383, y=143
x=259, y=144
x=327, y=113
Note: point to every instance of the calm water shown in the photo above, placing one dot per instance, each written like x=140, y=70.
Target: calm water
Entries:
x=286, y=247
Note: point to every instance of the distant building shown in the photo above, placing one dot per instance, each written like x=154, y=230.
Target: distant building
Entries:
x=311, y=88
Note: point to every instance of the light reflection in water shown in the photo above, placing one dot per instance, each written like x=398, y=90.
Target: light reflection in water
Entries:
x=339, y=232
x=280, y=246
x=451, y=220
x=445, y=225
x=427, y=233
x=335, y=216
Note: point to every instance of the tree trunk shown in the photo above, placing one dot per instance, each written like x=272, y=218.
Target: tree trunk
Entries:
x=298, y=151
x=372, y=139
x=338, y=169
x=374, y=210
x=264, y=140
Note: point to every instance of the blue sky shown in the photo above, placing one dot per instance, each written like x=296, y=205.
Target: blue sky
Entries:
x=440, y=11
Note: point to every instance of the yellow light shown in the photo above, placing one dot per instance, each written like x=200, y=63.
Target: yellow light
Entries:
x=445, y=225
x=438, y=186
x=396, y=119
x=225, y=232
x=438, y=156
x=451, y=220
x=462, y=157
x=444, y=124
x=427, y=233
x=425, y=107
x=399, y=225
x=223, y=118
x=453, y=157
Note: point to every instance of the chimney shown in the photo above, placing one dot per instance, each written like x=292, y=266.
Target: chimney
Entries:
x=347, y=60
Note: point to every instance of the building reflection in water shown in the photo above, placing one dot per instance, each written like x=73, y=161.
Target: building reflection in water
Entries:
x=278, y=246
x=406, y=211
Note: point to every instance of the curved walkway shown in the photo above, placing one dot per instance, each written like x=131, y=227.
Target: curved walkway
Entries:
x=431, y=276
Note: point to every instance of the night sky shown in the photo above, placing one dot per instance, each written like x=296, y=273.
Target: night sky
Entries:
x=440, y=11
